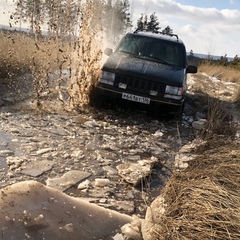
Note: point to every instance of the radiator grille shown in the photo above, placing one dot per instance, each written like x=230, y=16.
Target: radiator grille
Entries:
x=139, y=85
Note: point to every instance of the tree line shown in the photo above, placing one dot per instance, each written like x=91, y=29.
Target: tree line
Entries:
x=222, y=61
x=63, y=17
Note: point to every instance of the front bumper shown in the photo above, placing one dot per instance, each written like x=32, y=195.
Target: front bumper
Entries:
x=157, y=104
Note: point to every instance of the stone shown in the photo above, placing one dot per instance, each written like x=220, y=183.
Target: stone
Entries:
x=36, y=168
x=44, y=150
x=200, y=124
x=99, y=182
x=133, y=173
x=4, y=153
x=68, y=180
x=84, y=185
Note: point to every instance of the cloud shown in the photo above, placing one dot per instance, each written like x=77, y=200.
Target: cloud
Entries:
x=197, y=27
x=212, y=15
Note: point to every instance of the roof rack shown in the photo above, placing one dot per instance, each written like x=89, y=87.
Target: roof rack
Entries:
x=158, y=32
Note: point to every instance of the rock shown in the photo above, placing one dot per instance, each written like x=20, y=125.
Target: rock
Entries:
x=84, y=185
x=99, y=182
x=135, y=173
x=158, y=134
x=14, y=162
x=132, y=230
x=155, y=211
x=185, y=154
x=200, y=115
x=68, y=180
x=79, y=154
x=4, y=153
x=36, y=168
x=126, y=206
x=91, y=123
x=199, y=125
x=110, y=171
x=44, y=150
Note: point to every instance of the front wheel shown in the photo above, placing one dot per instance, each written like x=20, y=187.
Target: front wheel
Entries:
x=176, y=114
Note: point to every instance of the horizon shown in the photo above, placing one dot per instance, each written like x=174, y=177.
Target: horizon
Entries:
x=202, y=55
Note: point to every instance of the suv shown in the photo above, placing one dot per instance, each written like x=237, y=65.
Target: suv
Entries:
x=148, y=69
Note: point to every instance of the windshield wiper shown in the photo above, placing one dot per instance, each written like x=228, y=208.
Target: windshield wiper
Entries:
x=159, y=60
x=123, y=51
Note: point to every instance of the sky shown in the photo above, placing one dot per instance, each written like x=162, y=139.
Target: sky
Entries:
x=205, y=26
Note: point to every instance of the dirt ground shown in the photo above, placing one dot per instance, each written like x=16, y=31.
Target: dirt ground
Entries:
x=200, y=200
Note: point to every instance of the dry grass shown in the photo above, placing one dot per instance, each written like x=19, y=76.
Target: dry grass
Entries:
x=219, y=120
x=221, y=98
x=20, y=52
x=203, y=202
x=225, y=74
x=237, y=98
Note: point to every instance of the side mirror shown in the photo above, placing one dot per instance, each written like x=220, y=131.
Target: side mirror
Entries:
x=192, y=69
x=108, y=51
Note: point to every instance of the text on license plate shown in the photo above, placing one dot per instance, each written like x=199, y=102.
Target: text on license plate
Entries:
x=135, y=98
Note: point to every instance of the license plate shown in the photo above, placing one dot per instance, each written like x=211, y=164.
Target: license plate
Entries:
x=136, y=98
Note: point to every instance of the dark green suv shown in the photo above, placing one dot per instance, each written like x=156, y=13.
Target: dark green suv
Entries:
x=148, y=69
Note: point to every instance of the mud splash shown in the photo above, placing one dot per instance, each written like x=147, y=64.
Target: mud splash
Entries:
x=54, y=71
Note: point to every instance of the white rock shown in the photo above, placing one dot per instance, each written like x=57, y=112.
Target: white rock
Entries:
x=84, y=185
x=200, y=124
x=99, y=182
x=44, y=150
x=4, y=153
x=68, y=180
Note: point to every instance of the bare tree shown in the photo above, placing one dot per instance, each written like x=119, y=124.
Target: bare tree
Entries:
x=30, y=11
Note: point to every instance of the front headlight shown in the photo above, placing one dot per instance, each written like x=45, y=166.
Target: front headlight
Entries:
x=174, y=92
x=107, y=77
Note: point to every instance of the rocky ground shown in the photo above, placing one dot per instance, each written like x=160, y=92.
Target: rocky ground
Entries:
x=117, y=158
x=92, y=149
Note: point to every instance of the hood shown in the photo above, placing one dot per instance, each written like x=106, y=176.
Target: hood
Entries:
x=125, y=64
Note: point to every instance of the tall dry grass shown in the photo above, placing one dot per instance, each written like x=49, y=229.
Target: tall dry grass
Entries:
x=201, y=202
x=20, y=52
x=225, y=74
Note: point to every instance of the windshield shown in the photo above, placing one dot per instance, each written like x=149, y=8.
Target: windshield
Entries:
x=154, y=49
